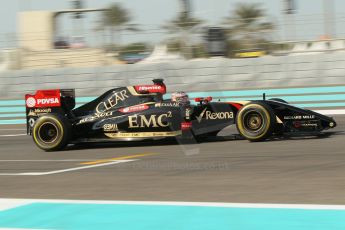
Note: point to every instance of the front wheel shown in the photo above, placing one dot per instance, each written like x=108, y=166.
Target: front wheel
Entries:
x=51, y=132
x=255, y=121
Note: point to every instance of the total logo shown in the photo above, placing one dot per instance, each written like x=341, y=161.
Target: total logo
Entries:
x=31, y=102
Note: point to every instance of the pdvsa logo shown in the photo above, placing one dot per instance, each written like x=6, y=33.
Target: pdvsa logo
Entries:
x=48, y=101
x=30, y=102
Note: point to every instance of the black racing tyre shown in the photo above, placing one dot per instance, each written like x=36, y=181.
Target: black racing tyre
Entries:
x=255, y=121
x=279, y=100
x=51, y=132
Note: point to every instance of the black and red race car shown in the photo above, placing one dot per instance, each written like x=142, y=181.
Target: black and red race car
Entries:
x=140, y=112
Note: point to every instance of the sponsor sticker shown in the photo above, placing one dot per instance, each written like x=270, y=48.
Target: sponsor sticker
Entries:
x=135, y=108
x=186, y=125
x=149, y=87
x=167, y=104
x=31, y=122
x=95, y=116
x=43, y=99
x=299, y=117
x=143, y=134
x=306, y=124
x=112, y=101
x=36, y=112
x=188, y=113
x=48, y=101
x=110, y=127
x=208, y=115
x=30, y=102
x=152, y=121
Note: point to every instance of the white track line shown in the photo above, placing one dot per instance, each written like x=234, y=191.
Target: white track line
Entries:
x=12, y=203
x=66, y=160
x=24, y=130
x=19, y=229
x=64, y=170
x=197, y=204
x=331, y=112
x=13, y=135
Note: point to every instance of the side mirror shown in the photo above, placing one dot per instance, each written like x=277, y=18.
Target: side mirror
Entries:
x=203, y=100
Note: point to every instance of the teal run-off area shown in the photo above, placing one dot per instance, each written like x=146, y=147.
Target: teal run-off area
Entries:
x=328, y=97
x=45, y=215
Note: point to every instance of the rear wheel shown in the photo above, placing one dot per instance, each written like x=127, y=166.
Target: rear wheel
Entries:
x=255, y=121
x=51, y=132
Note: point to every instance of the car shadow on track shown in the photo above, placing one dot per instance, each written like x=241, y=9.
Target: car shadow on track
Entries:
x=148, y=143
x=170, y=142
x=323, y=135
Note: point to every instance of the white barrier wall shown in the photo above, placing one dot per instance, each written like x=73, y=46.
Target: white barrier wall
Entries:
x=196, y=75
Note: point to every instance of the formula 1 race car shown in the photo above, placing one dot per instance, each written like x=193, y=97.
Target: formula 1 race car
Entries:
x=140, y=112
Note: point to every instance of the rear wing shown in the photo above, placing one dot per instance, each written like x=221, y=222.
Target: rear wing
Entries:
x=58, y=101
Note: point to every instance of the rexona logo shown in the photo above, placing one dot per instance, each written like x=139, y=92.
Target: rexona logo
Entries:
x=152, y=121
x=208, y=115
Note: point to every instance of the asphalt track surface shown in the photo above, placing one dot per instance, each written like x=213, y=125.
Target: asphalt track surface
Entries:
x=300, y=170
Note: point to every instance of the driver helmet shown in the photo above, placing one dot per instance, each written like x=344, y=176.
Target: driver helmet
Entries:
x=180, y=97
